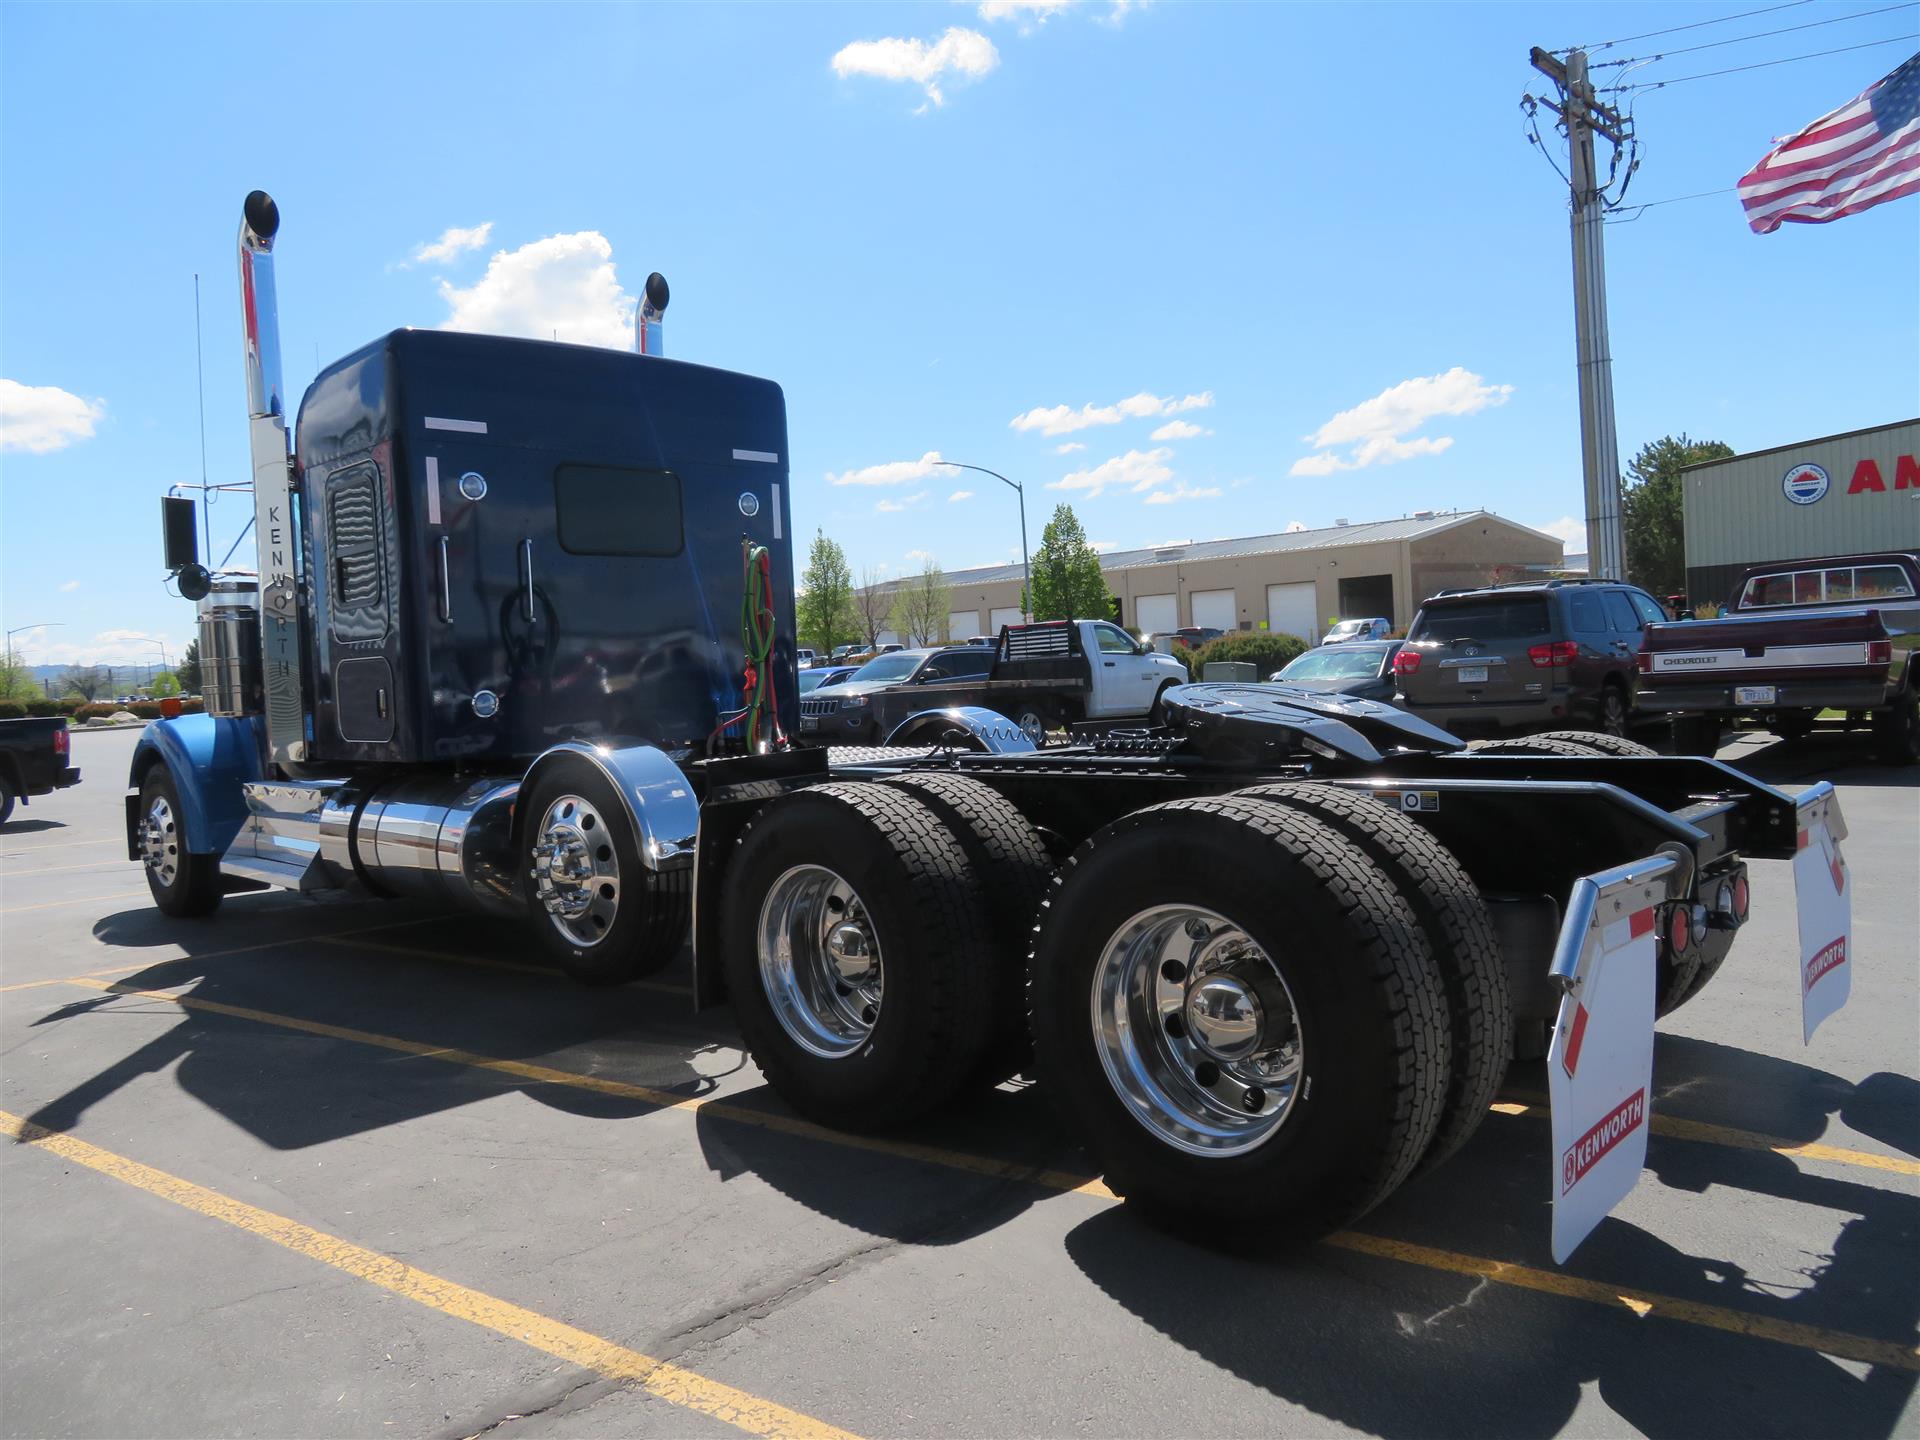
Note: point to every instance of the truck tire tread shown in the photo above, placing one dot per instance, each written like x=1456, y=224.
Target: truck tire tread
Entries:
x=1349, y=936
x=1431, y=879
x=1013, y=869
x=1598, y=742
x=1540, y=745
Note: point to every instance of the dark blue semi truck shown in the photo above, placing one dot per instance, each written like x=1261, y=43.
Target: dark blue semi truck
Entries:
x=520, y=638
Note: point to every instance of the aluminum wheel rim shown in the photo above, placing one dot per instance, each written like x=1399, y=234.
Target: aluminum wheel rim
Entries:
x=1196, y=1030
x=160, y=841
x=1034, y=728
x=576, y=870
x=820, y=963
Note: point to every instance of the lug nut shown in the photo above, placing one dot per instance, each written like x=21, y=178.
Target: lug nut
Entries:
x=1207, y=1073
x=1174, y=972
x=1254, y=1100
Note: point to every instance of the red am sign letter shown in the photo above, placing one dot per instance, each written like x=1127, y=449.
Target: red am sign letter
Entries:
x=1906, y=473
x=1866, y=476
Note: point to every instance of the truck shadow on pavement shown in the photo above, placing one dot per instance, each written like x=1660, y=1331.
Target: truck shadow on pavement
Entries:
x=1845, y=759
x=1398, y=1351
x=291, y=1089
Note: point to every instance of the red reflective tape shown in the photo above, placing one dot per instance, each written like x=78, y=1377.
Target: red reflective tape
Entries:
x=1571, y=1060
x=1802, y=840
x=1640, y=924
x=1591, y=1148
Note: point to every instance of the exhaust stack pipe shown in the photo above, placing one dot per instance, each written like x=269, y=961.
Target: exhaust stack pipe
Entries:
x=260, y=310
x=646, y=324
x=272, y=485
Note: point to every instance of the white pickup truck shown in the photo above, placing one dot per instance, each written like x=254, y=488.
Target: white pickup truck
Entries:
x=1047, y=676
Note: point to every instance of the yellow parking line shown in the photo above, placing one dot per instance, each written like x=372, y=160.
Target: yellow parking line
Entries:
x=77, y=900
x=1676, y=1128
x=659, y=1378
x=218, y=954
x=1643, y=1303
x=6, y=875
x=60, y=845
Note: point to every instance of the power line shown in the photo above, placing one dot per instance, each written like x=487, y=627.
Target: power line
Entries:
x=1676, y=29
x=1622, y=218
x=1763, y=64
x=1757, y=35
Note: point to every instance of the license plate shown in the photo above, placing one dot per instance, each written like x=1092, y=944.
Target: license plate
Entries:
x=1472, y=674
x=1753, y=694
x=809, y=722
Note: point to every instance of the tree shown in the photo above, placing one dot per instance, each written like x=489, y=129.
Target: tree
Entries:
x=825, y=609
x=89, y=682
x=1652, y=512
x=1067, y=581
x=871, y=605
x=189, y=671
x=164, y=684
x=16, y=679
x=921, y=605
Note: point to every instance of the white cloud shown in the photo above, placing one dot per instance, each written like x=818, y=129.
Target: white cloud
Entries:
x=563, y=287
x=1064, y=420
x=107, y=647
x=1100, y=547
x=1137, y=470
x=894, y=507
x=893, y=472
x=1179, y=430
x=1025, y=11
x=957, y=496
x=1069, y=446
x=40, y=418
x=1183, y=491
x=1568, y=530
x=1294, y=527
x=453, y=241
x=1372, y=431
x=920, y=557
x=963, y=52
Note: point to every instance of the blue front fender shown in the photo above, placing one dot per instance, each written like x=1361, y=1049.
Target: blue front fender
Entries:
x=209, y=757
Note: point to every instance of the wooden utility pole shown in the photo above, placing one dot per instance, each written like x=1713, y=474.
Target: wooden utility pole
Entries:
x=1584, y=116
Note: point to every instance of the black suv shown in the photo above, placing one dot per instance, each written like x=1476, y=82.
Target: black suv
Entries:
x=843, y=714
x=1526, y=656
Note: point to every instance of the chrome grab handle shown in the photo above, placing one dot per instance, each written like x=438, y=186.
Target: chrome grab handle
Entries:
x=526, y=579
x=446, y=582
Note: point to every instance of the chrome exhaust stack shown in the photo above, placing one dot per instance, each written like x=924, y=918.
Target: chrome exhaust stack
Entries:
x=646, y=323
x=272, y=484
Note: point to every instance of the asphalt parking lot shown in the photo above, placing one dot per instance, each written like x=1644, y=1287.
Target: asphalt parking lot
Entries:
x=368, y=1169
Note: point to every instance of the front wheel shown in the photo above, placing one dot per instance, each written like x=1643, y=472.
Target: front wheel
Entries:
x=594, y=907
x=6, y=799
x=184, y=885
x=1614, y=711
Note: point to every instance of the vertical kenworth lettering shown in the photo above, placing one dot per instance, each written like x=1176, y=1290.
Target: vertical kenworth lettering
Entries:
x=518, y=636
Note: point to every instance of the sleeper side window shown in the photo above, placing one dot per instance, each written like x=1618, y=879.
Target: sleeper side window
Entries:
x=604, y=510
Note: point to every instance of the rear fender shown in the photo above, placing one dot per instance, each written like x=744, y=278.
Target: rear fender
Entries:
x=989, y=730
x=210, y=757
x=655, y=793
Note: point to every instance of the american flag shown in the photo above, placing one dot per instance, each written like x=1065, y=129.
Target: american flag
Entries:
x=1865, y=152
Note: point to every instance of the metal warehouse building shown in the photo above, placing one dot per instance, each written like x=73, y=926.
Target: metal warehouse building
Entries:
x=1841, y=495
x=1291, y=583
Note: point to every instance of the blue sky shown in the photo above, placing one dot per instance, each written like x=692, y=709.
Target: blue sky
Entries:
x=1230, y=225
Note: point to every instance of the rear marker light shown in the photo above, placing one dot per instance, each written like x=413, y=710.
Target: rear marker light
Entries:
x=1643, y=662
x=1880, y=652
x=1406, y=662
x=1560, y=652
x=61, y=744
x=1679, y=930
x=1740, y=899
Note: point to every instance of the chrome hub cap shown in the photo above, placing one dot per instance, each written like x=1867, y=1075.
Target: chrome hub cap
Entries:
x=1034, y=728
x=1196, y=1030
x=820, y=962
x=576, y=873
x=160, y=841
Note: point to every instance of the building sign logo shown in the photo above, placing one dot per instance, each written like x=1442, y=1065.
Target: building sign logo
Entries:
x=1805, y=484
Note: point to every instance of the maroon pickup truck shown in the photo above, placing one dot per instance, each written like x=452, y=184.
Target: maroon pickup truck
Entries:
x=1799, y=637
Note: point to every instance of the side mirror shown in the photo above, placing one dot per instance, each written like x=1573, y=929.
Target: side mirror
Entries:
x=180, y=531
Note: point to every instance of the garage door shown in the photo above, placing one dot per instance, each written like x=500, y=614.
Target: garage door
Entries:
x=1156, y=614
x=997, y=618
x=963, y=625
x=1214, y=609
x=1290, y=611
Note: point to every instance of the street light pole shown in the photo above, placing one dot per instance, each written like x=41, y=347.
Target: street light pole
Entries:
x=1026, y=570
x=43, y=625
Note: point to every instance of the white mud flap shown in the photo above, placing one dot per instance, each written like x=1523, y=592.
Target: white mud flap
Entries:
x=1600, y=1064
x=1823, y=887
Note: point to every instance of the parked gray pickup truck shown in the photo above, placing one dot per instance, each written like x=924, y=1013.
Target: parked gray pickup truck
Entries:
x=33, y=761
